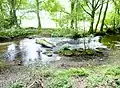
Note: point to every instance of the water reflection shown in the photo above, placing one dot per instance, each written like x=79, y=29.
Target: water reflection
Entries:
x=29, y=52
x=11, y=52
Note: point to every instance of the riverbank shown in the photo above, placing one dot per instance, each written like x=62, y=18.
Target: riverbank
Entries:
x=66, y=74
x=20, y=33
x=82, y=71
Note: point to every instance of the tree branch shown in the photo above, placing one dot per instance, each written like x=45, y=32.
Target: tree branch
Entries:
x=97, y=3
x=86, y=11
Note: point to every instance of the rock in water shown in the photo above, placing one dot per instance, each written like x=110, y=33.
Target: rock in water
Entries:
x=45, y=43
x=48, y=53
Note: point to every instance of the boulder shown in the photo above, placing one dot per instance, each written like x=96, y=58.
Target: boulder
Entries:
x=45, y=43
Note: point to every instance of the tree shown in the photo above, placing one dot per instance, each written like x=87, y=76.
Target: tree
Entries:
x=102, y=2
x=37, y=11
x=13, y=15
x=93, y=6
x=13, y=6
x=72, y=11
x=106, y=8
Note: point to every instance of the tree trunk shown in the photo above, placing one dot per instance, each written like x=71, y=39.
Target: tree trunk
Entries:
x=91, y=26
x=72, y=19
x=92, y=17
x=38, y=15
x=99, y=15
x=76, y=22
x=76, y=18
x=13, y=13
x=92, y=22
x=106, y=8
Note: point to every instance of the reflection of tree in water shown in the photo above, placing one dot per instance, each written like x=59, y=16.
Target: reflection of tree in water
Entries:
x=13, y=52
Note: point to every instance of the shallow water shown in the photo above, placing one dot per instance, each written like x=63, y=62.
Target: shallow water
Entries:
x=27, y=51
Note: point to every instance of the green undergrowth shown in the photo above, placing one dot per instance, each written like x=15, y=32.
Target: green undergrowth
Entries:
x=67, y=32
x=107, y=76
x=18, y=84
x=62, y=32
x=16, y=32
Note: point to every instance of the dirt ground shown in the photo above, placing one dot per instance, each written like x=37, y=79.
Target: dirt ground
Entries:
x=23, y=73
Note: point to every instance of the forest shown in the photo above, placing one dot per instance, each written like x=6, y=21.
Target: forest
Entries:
x=59, y=43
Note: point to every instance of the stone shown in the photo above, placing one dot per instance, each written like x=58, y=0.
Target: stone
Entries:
x=48, y=53
x=45, y=43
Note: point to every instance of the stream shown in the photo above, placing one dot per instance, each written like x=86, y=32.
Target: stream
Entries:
x=27, y=51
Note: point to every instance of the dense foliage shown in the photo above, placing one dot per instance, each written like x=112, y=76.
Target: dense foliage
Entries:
x=97, y=13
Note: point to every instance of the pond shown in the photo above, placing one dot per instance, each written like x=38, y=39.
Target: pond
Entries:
x=27, y=51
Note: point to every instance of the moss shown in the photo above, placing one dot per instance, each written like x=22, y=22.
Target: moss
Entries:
x=74, y=52
x=66, y=52
x=89, y=52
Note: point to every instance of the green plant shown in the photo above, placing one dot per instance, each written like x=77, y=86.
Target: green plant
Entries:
x=59, y=82
x=77, y=72
x=17, y=85
x=95, y=81
x=73, y=72
x=62, y=78
x=113, y=71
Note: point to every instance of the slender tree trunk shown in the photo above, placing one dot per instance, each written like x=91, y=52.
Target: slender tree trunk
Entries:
x=92, y=22
x=92, y=18
x=76, y=18
x=99, y=16
x=76, y=24
x=72, y=8
x=38, y=15
x=13, y=13
x=115, y=20
x=106, y=8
